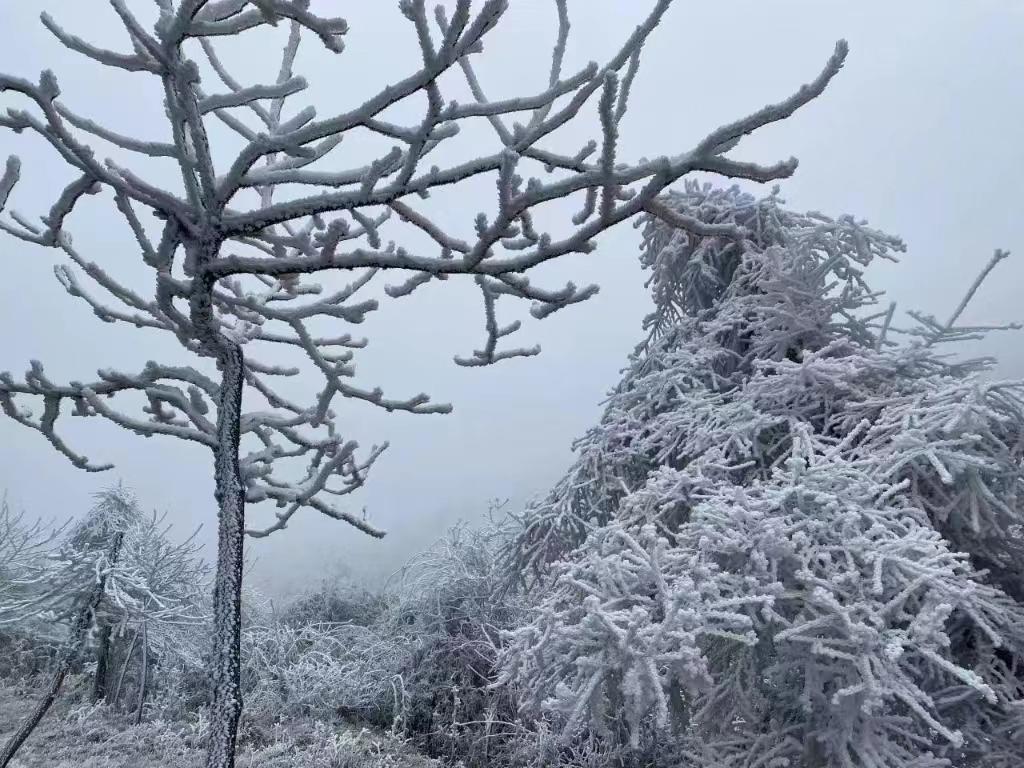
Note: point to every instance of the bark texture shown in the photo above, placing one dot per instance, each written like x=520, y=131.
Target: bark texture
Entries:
x=99, y=682
x=227, y=592
x=124, y=666
x=143, y=676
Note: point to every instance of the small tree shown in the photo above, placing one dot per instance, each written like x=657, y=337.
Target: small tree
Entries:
x=155, y=600
x=234, y=251
x=791, y=538
x=152, y=592
x=61, y=577
x=93, y=563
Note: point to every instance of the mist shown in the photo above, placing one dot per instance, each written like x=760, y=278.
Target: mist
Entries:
x=917, y=135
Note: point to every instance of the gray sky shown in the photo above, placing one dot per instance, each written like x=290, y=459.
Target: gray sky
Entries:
x=919, y=134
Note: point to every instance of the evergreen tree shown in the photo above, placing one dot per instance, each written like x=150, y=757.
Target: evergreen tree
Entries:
x=791, y=538
x=147, y=604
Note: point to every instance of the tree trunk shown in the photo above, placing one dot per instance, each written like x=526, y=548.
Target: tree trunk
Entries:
x=99, y=682
x=30, y=723
x=143, y=675
x=124, y=666
x=227, y=590
x=814, y=753
x=76, y=642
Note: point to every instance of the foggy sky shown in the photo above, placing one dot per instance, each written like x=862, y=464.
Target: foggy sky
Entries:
x=919, y=134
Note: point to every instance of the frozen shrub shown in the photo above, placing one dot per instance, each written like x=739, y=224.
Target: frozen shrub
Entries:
x=421, y=667
x=447, y=612
x=335, y=602
x=792, y=539
x=296, y=669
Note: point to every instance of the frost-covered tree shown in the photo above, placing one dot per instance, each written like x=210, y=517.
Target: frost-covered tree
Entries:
x=24, y=549
x=26, y=545
x=152, y=600
x=58, y=578
x=82, y=607
x=795, y=535
x=233, y=248
x=156, y=607
x=155, y=580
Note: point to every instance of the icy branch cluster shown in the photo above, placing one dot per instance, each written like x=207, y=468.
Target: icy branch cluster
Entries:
x=155, y=582
x=25, y=548
x=417, y=660
x=235, y=251
x=795, y=536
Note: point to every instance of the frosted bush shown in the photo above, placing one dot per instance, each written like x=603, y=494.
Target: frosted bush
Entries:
x=792, y=539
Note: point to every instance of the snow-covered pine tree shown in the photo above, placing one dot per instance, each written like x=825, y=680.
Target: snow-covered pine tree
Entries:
x=145, y=604
x=97, y=549
x=792, y=540
x=155, y=581
x=60, y=578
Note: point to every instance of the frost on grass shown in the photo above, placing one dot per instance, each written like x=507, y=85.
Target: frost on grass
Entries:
x=794, y=538
x=93, y=736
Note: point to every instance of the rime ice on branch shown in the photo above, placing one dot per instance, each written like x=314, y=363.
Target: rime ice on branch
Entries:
x=232, y=273
x=234, y=259
x=795, y=534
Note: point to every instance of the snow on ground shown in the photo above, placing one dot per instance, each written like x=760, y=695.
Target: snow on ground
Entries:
x=77, y=735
